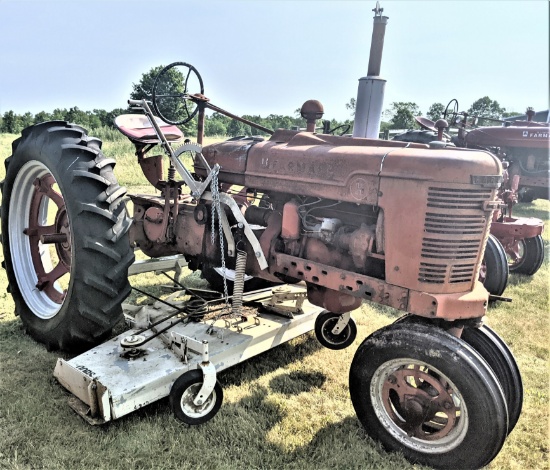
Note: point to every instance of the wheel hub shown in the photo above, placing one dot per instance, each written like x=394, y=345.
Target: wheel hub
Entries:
x=63, y=243
x=419, y=403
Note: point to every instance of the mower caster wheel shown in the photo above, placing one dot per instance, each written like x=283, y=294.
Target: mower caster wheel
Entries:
x=183, y=394
x=333, y=332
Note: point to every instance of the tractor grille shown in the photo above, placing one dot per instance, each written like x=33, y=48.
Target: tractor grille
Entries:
x=454, y=229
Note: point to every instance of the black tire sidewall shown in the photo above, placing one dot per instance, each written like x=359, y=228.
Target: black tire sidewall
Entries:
x=496, y=265
x=473, y=378
x=533, y=256
x=179, y=387
x=502, y=362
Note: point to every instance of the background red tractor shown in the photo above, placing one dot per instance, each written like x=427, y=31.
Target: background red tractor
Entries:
x=514, y=144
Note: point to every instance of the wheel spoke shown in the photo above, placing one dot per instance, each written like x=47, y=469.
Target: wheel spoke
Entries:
x=44, y=186
x=186, y=108
x=46, y=283
x=52, y=276
x=179, y=95
x=186, y=80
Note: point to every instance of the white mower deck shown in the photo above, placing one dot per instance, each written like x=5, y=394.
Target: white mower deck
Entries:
x=110, y=381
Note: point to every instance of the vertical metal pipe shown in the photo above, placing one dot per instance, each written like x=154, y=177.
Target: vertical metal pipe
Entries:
x=370, y=92
x=200, y=124
x=377, y=45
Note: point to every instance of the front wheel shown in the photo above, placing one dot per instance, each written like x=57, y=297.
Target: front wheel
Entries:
x=427, y=394
x=64, y=236
x=494, y=268
x=501, y=360
x=528, y=256
x=182, y=396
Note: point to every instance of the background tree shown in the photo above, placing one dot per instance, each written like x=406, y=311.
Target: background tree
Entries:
x=11, y=123
x=235, y=128
x=436, y=111
x=42, y=116
x=351, y=104
x=402, y=115
x=486, y=107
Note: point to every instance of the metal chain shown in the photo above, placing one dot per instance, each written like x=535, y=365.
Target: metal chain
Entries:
x=216, y=207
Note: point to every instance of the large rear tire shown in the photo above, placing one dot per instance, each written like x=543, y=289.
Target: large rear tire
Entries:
x=423, y=392
x=64, y=236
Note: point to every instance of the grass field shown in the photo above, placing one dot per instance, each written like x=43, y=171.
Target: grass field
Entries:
x=288, y=408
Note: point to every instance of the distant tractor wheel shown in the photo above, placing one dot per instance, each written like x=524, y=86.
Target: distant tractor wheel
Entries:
x=65, y=236
x=494, y=269
x=527, y=256
x=324, y=331
x=183, y=394
x=501, y=360
x=429, y=395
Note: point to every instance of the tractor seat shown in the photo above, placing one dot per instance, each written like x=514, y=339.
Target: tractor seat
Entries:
x=138, y=129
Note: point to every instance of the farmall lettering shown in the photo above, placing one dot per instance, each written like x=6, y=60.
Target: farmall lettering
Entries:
x=535, y=134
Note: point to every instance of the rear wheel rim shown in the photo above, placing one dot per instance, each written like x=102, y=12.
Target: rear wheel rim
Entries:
x=37, y=210
x=419, y=406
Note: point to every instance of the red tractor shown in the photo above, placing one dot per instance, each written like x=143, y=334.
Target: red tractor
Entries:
x=521, y=238
x=353, y=219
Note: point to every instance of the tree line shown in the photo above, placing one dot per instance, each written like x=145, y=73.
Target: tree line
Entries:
x=400, y=115
x=215, y=125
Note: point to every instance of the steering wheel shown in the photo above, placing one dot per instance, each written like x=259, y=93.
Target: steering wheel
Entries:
x=172, y=89
x=342, y=126
x=451, y=111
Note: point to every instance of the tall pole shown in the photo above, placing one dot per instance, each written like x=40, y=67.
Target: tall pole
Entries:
x=370, y=92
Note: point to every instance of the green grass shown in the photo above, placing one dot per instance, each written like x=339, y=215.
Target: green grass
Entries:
x=288, y=408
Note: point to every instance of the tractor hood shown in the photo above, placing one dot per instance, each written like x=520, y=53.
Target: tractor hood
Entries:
x=342, y=168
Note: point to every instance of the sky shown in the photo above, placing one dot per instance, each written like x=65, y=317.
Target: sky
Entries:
x=268, y=57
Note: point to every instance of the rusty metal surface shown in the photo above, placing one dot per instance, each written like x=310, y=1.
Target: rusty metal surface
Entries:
x=454, y=306
x=311, y=111
x=340, y=280
x=152, y=169
x=517, y=227
x=436, y=233
x=450, y=306
x=232, y=158
x=349, y=169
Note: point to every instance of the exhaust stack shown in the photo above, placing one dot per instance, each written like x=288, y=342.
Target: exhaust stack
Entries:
x=370, y=92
